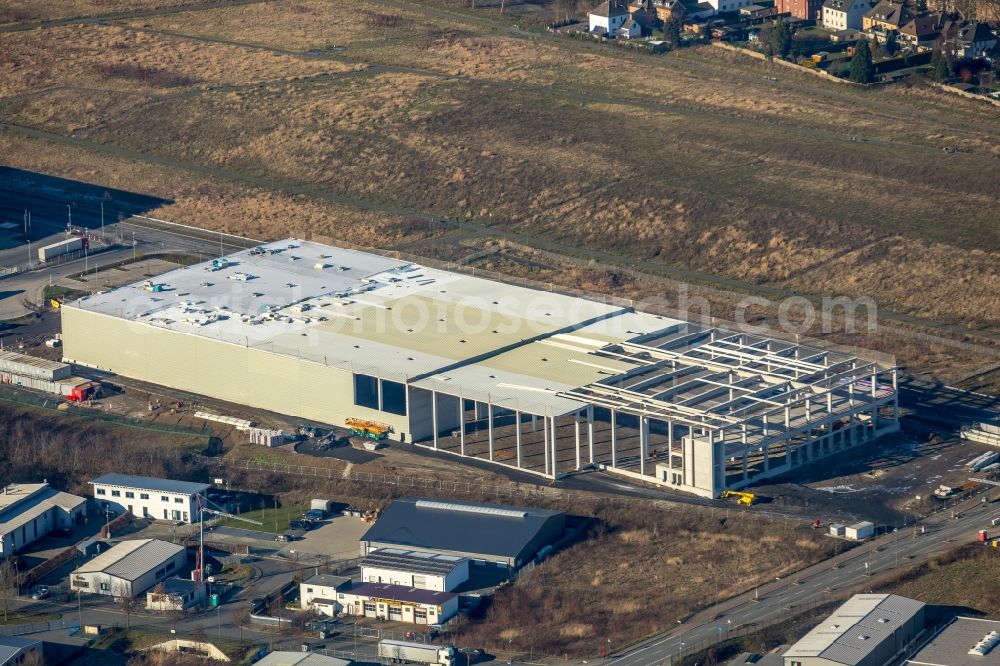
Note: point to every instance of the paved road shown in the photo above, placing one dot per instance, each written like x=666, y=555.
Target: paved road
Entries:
x=781, y=598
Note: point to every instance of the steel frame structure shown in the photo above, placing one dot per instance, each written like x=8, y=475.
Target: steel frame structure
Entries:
x=729, y=408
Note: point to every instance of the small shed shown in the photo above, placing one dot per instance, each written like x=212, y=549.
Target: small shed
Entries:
x=860, y=531
x=837, y=529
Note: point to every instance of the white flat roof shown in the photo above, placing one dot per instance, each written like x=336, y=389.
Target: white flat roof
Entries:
x=515, y=347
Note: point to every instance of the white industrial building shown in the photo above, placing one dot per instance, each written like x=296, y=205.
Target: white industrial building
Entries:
x=543, y=382
x=129, y=568
x=424, y=571
x=149, y=497
x=398, y=603
x=867, y=630
x=323, y=593
x=29, y=511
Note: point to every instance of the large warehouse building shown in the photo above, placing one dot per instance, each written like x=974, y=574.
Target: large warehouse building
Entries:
x=489, y=535
x=543, y=382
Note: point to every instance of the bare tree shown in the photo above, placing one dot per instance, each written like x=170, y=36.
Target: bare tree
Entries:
x=124, y=600
x=8, y=579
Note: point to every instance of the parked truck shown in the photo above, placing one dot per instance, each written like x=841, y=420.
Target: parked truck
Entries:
x=49, y=252
x=416, y=653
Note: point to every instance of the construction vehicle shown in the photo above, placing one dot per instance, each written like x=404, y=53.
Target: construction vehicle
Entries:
x=368, y=429
x=149, y=285
x=741, y=497
x=417, y=653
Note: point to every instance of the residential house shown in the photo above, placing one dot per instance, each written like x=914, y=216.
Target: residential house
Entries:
x=966, y=40
x=645, y=15
x=758, y=11
x=607, y=17
x=844, y=14
x=722, y=6
x=807, y=10
x=921, y=31
x=885, y=17
x=976, y=40
x=630, y=29
x=665, y=9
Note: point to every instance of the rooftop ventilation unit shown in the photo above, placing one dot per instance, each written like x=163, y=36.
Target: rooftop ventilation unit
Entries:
x=465, y=508
x=984, y=646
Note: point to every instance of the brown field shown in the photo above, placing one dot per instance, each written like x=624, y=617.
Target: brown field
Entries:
x=15, y=11
x=641, y=570
x=701, y=159
x=968, y=576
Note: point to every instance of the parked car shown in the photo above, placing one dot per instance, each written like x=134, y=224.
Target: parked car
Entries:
x=305, y=524
x=41, y=592
x=314, y=514
x=283, y=537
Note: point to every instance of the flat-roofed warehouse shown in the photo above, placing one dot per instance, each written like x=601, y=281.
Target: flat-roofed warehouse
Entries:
x=486, y=534
x=543, y=382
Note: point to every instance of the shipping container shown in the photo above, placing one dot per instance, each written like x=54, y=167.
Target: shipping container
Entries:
x=418, y=653
x=30, y=366
x=49, y=252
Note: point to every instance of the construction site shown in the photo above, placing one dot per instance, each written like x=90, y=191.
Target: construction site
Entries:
x=541, y=382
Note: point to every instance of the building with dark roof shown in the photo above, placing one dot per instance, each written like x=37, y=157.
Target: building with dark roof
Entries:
x=16, y=650
x=149, y=497
x=867, y=630
x=487, y=534
x=965, y=641
x=399, y=603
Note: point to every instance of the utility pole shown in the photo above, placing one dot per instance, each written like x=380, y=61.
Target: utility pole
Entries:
x=69, y=219
x=27, y=233
x=103, y=240
x=133, y=247
x=79, y=609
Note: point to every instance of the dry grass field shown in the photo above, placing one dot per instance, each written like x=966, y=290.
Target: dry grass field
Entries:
x=968, y=576
x=641, y=570
x=379, y=114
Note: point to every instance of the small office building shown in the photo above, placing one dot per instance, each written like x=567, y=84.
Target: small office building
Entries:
x=867, y=630
x=398, y=603
x=323, y=593
x=29, y=511
x=129, y=568
x=175, y=594
x=424, y=571
x=489, y=535
x=149, y=497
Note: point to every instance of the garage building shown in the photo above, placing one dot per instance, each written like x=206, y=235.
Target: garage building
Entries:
x=129, y=568
x=398, y=603
x=29, y=511
x=489, y=535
